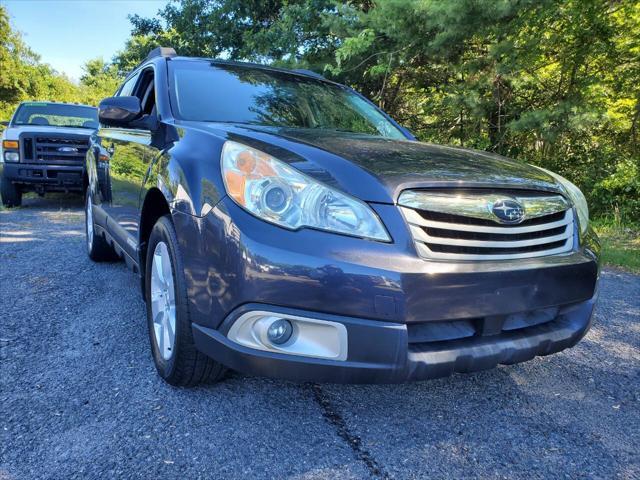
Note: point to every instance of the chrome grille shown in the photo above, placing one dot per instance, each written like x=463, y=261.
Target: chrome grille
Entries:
x=461, y=226
x=62, y=150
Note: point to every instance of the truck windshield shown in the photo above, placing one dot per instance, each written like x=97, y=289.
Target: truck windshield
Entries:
x=56, y=115
x=212, y=92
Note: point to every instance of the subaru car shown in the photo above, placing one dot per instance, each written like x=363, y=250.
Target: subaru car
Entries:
x=283, y=225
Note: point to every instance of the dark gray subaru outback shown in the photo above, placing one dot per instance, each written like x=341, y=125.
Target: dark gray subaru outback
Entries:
x=283, y=225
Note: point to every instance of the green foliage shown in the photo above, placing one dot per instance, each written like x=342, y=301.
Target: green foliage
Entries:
x=619, y=192
x=256, y=30
x=137, y=47
x=551, y=82
x=24, y=77
x=101, y=80
x=620, y=243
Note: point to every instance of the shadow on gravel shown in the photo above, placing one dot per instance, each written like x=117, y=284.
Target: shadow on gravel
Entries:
x=52, y=201
x=55, y=208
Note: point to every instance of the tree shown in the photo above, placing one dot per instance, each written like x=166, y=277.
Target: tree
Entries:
x=100, y=80
x=552, y=82
x=18, y=64
x=24, y=76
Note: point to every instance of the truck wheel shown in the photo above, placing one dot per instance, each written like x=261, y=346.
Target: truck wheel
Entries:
x=97, y=247
x=176, y=358
x=11, y=194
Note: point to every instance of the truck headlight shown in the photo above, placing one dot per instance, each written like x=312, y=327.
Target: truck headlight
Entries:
x=277, y=193
x=11, y=156
x=576, y=197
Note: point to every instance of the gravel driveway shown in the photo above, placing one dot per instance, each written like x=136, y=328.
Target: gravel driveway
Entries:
x=80, y=397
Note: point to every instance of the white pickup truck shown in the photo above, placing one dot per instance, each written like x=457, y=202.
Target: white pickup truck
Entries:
x=43, y=149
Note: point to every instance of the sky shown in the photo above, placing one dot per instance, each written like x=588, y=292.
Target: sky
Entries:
x=67, y=33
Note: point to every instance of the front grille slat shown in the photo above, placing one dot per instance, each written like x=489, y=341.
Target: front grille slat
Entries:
x=450, y=236
x=449, y=218
x=425, y=252
x=490, y=250
x=62, y=154
x=421, y=235
x=414, y=218
x=438, y=232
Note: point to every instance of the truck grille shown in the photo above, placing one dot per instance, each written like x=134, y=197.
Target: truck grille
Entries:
x=65, y=150
x=462, y=226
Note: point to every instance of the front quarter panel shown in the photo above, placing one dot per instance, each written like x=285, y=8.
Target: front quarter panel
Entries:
x=188, y=172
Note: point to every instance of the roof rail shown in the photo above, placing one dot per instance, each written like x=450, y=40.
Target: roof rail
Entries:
x=309, y=73
x=161, y=52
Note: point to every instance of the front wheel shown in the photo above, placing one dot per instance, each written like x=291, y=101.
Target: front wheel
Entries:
x=11, y=193
x=176, y=358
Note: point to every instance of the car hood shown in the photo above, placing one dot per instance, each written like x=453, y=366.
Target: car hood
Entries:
x=377, y=169
x=13, y=133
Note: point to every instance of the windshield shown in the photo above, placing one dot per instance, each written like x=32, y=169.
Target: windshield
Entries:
x=56, y=115
x=236, y=94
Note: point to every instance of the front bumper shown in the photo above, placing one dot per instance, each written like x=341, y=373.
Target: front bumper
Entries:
x=386, y=296
x=44, y=177
x=381, y=352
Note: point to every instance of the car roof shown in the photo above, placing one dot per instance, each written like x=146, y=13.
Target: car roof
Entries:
x=217, y=61
x=259, y=66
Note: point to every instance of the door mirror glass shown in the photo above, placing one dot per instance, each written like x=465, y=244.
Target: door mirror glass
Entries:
x=119, y=111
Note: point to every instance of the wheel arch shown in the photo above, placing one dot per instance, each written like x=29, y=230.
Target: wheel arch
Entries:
x=154, y=206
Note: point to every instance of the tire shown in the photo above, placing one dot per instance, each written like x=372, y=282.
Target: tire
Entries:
x=11, y=194
x=176, y=359
x=97, y=247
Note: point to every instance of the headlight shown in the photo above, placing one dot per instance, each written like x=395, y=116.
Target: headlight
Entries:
x=577, y=198
x=277, y=193
x=11, y=156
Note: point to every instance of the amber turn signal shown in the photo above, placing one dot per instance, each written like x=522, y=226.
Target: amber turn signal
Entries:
x=10, y=144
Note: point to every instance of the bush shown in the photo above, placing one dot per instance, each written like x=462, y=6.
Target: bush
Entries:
x=619, y=193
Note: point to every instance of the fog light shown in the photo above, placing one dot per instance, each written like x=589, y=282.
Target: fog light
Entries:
x=290, y=334
x=280, y=331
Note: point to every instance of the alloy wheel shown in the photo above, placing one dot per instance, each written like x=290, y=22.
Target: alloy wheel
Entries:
x=163, y=301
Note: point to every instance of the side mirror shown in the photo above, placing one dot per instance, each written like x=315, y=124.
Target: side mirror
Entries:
x=119, y=111
x=5, y=123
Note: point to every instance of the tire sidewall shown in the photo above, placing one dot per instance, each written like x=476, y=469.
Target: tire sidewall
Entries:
x=163, y=231
x=11, y=193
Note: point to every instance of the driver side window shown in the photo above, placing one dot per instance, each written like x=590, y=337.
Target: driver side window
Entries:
x=142, y=86
x=145, y=91
x=128, y=86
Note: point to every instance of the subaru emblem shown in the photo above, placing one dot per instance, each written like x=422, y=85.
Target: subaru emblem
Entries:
x=508, y=211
